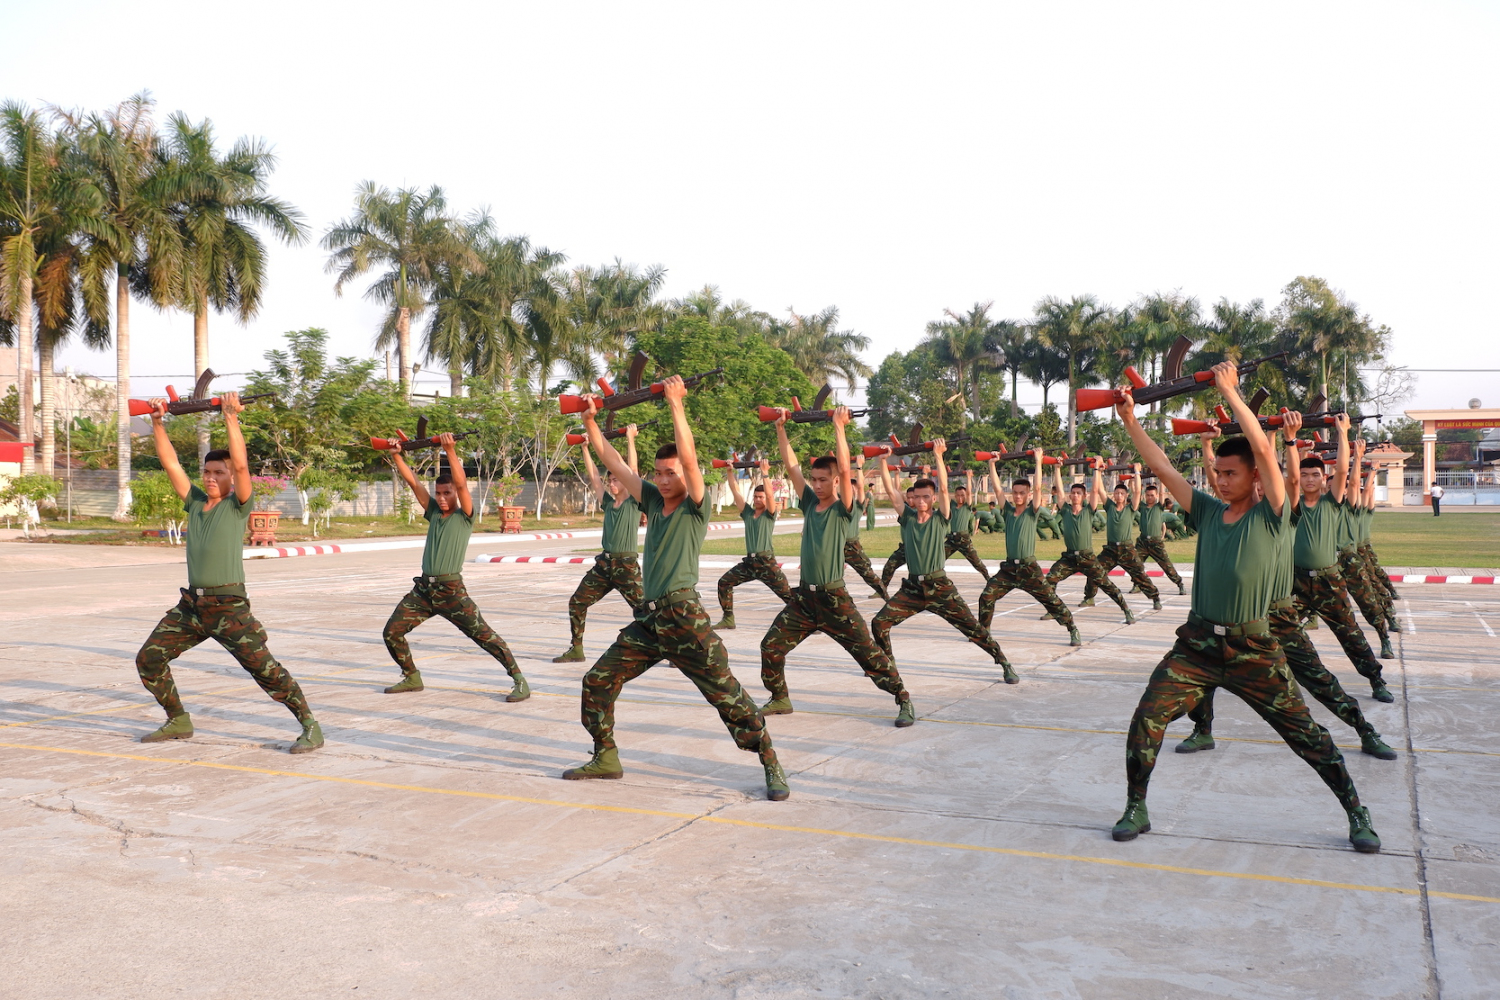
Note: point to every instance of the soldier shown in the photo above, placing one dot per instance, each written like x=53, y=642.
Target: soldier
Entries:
x=897, y=558
x=1319, y=588
x=1046, y=518
x=990, y=520
x=1020, y=569
x=671, y=624
x=1372, y=561
x=925, y=525
x=1151, y=544
x=854, y=550
x=214, y=604
x=1301, y=656
x=617, y=566
x=1226, y=641
x=821, y=603
x=961, y=537
x=1372, y=601
x=1077, y=517
x=760, y=549
x=1119, y=549
x=440, y=590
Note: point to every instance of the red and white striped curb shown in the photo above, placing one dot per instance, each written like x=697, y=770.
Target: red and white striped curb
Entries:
x=1415, y=578
x=534, y=559
x=296, y=550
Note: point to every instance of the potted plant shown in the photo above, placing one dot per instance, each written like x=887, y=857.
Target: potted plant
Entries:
x=263, y=520
x=507, y=488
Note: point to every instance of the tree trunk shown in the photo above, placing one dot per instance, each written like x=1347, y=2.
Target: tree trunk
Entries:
x=47, y=461
x=403, y=349
x=25, y=354
x=1014, y=375
x=200, y=362
x=122, y=396
x=456, y=381
x=1072, y=407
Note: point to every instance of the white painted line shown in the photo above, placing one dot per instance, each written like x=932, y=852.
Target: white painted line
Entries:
x=1488, y=631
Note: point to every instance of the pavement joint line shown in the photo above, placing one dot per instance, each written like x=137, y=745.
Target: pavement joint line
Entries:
x=757, y=825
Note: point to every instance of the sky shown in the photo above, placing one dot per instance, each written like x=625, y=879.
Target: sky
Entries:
x=894, y=161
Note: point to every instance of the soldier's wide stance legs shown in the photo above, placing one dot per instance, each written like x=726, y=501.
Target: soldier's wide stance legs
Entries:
x=833, y=613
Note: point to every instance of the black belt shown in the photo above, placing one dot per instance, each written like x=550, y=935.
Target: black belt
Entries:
x=674, y=597
x=228, y=590
x=616, y=555
x=761, y=555
x=1314, y=573
x=815, y=587
x=1078, y=552
x=1257, y=627
x=1017, y=562
x=926, y=577
x=441, y=578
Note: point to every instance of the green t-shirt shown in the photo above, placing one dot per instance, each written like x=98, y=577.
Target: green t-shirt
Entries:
x=1020, y=531
x=1077, y=529
x=961, y=518
x=758, y=530
x=1119, y=525
x=447, y=540
x=859, y=510
x=1281, y=584
x=823, y=535
x=1152, y=519
x=1317, y=532
x=673, y=542
x=925, y=549
x=1236, y=566
x=1348, y=527
x=1366, y=523
x=215, y=540
x=622, y=525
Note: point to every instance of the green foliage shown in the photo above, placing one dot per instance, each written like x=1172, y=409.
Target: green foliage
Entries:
x=912, y=388
x=155, y=501
x=10, y=406
x=36, y=489
x=323, y=487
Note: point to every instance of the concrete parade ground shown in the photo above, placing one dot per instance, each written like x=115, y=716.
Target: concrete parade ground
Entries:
x=430, y=848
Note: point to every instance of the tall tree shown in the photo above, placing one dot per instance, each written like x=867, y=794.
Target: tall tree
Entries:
x=412, y=236
x=820, y=349
x=1013, y=346
x=1078, y=329
x=1322, y=324
x=966, y=343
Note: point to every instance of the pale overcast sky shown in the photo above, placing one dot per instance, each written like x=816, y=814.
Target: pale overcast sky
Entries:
x=890, y=160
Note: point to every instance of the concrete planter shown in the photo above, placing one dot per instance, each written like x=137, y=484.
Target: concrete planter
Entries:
x=510, y=519
x=263, y=526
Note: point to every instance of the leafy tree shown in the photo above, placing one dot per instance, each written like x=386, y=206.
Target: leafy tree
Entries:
x=1330, y=340
x=967, y=344
x=911, y=388
x=819, y=349
x=1079, y=329
x=154, y=500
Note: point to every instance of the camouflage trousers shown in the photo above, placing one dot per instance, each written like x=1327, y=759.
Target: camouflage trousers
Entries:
x=1028, y=576
x=1124, y=556
x=1377, y=572
x=1088, y=564
x=1373, y=603
x=680, y=634
x=448, y=598
x=761, y=566
x=227, y=620
x=1325, y=596
x=963, y=541
x=855, y=559
x=896, y=561
x=833, y=613
x=1156, y=548
x=1307, y=667
x=611, y=571
x=1252, y=667
x=938, y=595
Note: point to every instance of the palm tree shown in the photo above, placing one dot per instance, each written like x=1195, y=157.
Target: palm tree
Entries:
x=1318, y=321
x=1013, y=346
x=1236, y=332
x=966, y=343
x=411, y=234
x=1078, y=329
x=819, y=349
x=1045, y=367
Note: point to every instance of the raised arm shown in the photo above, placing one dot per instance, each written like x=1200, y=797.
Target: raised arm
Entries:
x=858, y=477
x=789, y=457
x=1098, y=500
x=1135, y=486
x=994, y=474
x=1152, y=455
x=630, y=457
x=595, y=483
x=841, y=455
x=165, y=452
x=762, y=478
x=894, y=495
x=1339, y=487
x=1227, y=378
x=410, y=478
x=239, y=462
x=1036, y=479
x=944, y=501
x=456, y=470
x=1206, y=439
x=1289, y=431
x=734, y=488
x=1058, y=495
x=1356, y=462
x=606, y=451
x=687, y=451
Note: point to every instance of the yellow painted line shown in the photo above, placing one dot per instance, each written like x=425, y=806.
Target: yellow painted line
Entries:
x=780, y=827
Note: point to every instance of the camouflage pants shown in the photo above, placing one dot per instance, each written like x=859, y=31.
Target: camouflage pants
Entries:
x=1088, y=564
x=1326, y=597
x=449, y=599
x=1377, y=572
x=1124, y=556
x=1372, y=602
x=1028, y=576
x=757, y=567
x=1307, y=667
x=941, y=597
x=963, y=541
x=609, y=572
x=1156, y=548
x=855, y=558
x=833, y=613
x=679, y=634
x=229, y=622
x=896, y=561
x=1255, y=669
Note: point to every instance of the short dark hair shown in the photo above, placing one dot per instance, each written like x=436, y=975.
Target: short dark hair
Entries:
x=443, y=479
x=217, y=455
x=1313, y=461
x=1021, y=482
x=960, y=486
x=1151, y=486
x=826, y=462
x=760, y=488
x=1079, y=487
x=668, y=450
x=1238, y=447
x=924, y=484
x=1122, y=486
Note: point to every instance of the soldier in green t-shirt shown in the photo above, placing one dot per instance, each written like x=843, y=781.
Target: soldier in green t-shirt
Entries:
x=961, y=534
x=926, y=524
x=1366, y=547
x=1152, y=543
x=1046, y=517
x=616, y=566
x=1077, y=516
x=760, y=550
x=1368, y=595
x=1119, y=548
x=1227, y=640
x=440, y=590
x=671, y=624
x=1020, y=568
x=854, y=550
x=821, y=602
x=214, y=604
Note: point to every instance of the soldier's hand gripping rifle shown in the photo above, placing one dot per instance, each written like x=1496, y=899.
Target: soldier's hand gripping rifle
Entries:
x=611, y=400
x=199, y=402
x=1228, y=425
x=1021, y=454
x=797, y=415
x=1174, y=384
x=609, y=435
x=404, y=444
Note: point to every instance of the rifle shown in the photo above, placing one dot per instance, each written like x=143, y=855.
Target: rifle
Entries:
x=1230, y=426
x=404, y=444
x=609, y=435
x=750, y=461
x=1173, y=385
x=199, y=402
x=614, y=400
x=896, y=448
x=816, y=415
